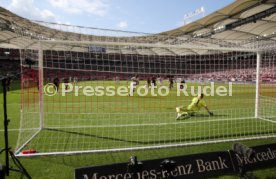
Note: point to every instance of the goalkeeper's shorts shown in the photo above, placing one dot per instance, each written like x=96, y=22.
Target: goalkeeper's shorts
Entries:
x=184, y=109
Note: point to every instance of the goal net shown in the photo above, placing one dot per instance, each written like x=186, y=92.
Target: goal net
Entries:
x=86, y=93
x=267, y=102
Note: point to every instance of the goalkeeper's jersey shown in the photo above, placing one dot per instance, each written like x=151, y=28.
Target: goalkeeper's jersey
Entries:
x=196, y=104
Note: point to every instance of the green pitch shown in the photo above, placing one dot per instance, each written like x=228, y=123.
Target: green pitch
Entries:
x=78, y=122
x=83, y=123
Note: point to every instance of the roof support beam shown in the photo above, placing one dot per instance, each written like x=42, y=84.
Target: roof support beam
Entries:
x=252, y=18
x=249, y=33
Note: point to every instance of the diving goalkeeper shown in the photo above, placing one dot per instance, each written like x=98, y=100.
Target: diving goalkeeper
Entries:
x=195, y=106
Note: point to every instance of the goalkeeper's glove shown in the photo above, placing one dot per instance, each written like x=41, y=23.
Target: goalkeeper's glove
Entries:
x=211, y=114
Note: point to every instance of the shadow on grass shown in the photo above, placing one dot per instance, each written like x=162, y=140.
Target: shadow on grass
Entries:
x=204, y=116
x=207, y=115
x=161, y=141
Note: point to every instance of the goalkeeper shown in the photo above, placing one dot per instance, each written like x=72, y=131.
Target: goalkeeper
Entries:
x=195, y=106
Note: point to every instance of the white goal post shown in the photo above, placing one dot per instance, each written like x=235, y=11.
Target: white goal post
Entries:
x=71, y=122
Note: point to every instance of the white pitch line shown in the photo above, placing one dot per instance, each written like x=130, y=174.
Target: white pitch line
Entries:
x=267, y=120
x=12, y=130
x=143, y=148
x=148, y=124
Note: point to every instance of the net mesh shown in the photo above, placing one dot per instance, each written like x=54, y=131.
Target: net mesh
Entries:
x=70, y=121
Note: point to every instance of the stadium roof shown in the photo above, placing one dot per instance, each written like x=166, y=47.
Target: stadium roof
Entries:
x=238, y=26
x=240, y=9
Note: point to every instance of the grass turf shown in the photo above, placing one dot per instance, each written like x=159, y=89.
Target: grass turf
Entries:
x=71, y=111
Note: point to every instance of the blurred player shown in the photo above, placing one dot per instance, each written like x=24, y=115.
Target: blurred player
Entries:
x=153, y=81
x=171, y=82
x=66, y=81
x=195, y=106
x=201, y=81
x=182, y=83
x=56, y=83
x=134, y=82
x=148, y=82
x=159, y=80
x=75, y=81
x=117, y=80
